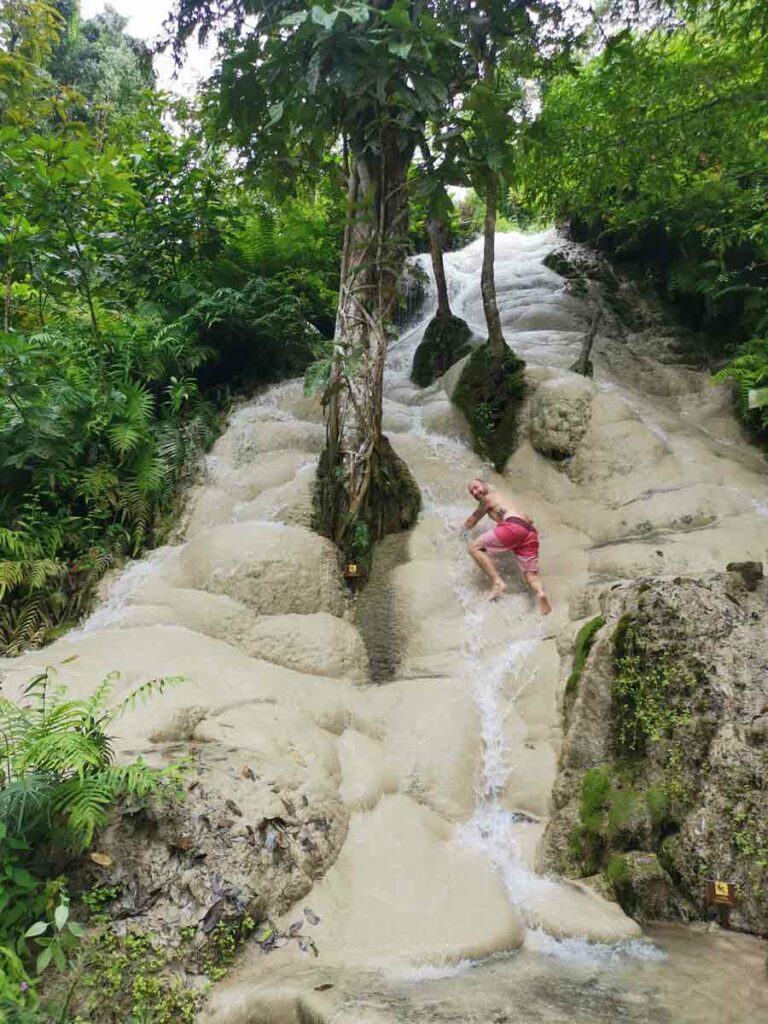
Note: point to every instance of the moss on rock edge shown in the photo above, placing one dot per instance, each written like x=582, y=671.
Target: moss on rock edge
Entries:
x=489, y=393
x=392, y=504
x=445, y=341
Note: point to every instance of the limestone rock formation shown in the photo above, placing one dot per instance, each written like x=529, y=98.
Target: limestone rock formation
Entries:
x=666, y=750
x=445, y=341
x=560, y=412
x=319, y=644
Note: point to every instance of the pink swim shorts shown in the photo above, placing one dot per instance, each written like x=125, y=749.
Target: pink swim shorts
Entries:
x=514, y=535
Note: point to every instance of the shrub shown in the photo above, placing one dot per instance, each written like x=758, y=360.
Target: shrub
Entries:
x=58, y=781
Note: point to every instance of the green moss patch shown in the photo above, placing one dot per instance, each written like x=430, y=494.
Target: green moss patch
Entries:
x=392, y=504
x=583, y=644
x=445, y=341
x=489, y=393
x=651, y=691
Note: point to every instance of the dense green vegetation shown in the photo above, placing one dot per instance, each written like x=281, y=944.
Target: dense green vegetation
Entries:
x=57, y=784
x=655, y=151
x=159, y=256
x=143, y=281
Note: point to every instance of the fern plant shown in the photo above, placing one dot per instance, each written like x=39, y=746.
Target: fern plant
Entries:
x=58, y=778
x=749, y=371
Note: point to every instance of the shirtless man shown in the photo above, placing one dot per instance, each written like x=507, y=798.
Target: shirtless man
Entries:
x=514, y=531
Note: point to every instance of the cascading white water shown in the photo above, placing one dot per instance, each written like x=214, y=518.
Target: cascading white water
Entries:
x=493, y=829
x=420, y=800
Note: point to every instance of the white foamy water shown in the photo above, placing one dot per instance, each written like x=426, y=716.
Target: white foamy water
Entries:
x=435, y=785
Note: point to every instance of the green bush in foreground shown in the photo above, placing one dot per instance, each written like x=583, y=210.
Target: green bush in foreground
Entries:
x=58, y=782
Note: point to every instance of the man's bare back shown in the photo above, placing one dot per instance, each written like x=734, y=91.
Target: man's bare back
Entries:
x=500, y=506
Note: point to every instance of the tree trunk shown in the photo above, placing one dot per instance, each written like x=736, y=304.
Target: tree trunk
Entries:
x=496, y=341
x=364, y=491
x=436, y=232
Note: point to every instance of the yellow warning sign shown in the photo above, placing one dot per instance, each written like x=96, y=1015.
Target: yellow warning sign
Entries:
x=723, y=893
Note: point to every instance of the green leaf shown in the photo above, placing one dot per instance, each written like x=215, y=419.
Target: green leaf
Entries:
x=399, y=48
x=58, y=958
x=36, y=929
x=275, y=113
x=294, y=19
x=44, y=959
x=76, y=929
x=60, y=915
x=326, y=19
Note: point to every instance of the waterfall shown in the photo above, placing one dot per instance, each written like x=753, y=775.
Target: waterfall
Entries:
x=412, y=802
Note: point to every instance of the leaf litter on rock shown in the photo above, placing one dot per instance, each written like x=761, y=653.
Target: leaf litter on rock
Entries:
x=213, y=915
x=311, y=916
x=307, y=945
x=295, y=928
x=265, y=932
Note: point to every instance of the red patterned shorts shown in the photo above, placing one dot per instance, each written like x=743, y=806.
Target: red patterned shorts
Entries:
x=517, y=536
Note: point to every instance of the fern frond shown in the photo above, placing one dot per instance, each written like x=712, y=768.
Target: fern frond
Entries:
x=84, y=802
x=151, y=688
x=124, y=437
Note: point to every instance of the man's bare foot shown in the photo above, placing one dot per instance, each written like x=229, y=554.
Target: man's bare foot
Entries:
x=499, y=588
x=544, y=606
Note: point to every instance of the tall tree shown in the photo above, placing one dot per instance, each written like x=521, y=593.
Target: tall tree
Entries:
x=509, y=45
x=297, y=78
x=446, y=337
x=109, y=69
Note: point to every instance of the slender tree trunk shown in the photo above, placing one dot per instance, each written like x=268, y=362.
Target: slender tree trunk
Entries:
x=7, y=300
x=436, y=232
x=360, y=480
x=487, y=280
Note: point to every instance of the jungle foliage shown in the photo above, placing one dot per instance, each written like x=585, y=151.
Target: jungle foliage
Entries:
x=143, y=280
x=654, y=151
x=58, y=782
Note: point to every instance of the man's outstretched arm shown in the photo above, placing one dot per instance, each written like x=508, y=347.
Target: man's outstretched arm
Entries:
x=471, y=521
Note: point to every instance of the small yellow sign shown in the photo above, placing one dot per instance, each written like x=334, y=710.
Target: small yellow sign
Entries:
x=721, y=893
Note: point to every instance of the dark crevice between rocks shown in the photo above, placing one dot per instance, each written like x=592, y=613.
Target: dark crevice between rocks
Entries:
x=376, y=613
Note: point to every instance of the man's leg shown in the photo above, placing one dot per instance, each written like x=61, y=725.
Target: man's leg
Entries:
x=534, y=582
x=484, y=560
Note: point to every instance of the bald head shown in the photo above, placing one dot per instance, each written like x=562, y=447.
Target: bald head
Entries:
x=478, y=488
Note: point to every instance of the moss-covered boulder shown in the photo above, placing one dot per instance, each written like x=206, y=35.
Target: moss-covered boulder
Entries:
x=644, y=889
x=392, y=504
x=664, y=767
x=445, y=341
x=490, y=392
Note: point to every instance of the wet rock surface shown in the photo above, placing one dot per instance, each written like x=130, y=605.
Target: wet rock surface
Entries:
x=422, y=723
x=559, y=416
x=671, y=708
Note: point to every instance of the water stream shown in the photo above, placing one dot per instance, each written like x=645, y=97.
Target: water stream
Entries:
x=430, y=757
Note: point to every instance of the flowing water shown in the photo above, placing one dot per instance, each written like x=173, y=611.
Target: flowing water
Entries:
x=432, y=750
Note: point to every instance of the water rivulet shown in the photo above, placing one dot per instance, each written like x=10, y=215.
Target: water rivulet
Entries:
x=405, y=748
